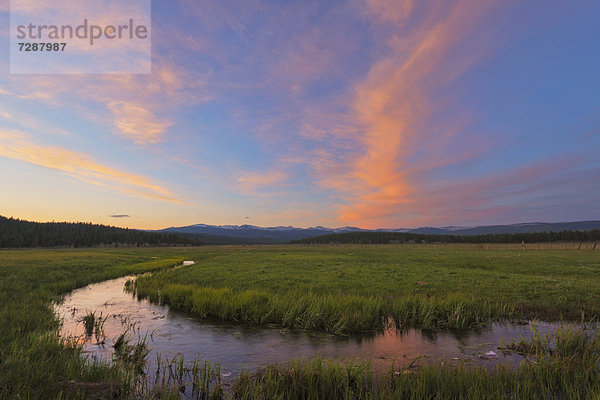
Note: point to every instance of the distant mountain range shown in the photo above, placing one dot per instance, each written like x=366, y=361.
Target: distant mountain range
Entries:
x=280, y=234
x=276, y=234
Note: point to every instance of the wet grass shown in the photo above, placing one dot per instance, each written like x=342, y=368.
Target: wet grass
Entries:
x=131, y=352
x=93, y=324
x=352, y=289
x=89, y=322
x=569, y=340
x=175, y=377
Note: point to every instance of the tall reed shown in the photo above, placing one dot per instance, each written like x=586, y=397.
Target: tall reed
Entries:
x=340, y=314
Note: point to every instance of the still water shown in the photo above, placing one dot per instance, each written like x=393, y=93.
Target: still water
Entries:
x=238, y=347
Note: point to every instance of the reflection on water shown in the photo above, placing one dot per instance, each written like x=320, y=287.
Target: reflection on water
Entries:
x=239, y=347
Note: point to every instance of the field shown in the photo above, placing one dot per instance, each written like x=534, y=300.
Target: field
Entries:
x=349, y=289
x=33, y=363
x=343, y=289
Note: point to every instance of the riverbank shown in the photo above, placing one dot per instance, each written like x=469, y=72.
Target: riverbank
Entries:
x=357, y=288
x=238, y=347
x=34, y=363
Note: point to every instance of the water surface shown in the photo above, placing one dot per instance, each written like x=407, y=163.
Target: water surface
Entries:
x=238, y=347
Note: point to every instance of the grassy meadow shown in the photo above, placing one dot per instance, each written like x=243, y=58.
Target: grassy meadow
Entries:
x=341, y=289
x=354, y=288
x=34, y=363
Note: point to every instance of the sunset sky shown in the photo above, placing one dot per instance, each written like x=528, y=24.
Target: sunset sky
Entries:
x=369, y=113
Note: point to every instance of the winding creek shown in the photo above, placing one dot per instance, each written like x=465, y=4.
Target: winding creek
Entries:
x=238, y=347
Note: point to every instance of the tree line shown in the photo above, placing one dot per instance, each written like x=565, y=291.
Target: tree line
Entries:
x=20, y=233
x=408, y=237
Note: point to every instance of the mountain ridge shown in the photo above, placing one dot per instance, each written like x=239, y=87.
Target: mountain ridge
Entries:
x=288, y=233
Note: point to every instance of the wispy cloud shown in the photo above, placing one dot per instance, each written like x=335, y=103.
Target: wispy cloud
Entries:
x=117, y=100
x=250, y=181
x=17, y=145
x=534, y=191
x=393, y=102
x=390, y=11
x=359, y=141
x=120, y=216
x=24, y=121
x=347, y=112
x=138, y=123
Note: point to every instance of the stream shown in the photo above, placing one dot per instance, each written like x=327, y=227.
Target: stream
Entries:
x=237, y=347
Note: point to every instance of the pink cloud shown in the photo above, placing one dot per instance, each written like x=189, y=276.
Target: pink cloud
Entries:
x=138, y=123
x=393, y=105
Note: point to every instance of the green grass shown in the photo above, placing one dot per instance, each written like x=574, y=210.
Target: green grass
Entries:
x=338, y=289
x=34, y=363
x=349, y=289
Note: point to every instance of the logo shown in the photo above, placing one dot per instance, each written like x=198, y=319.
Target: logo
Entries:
x=80, y=37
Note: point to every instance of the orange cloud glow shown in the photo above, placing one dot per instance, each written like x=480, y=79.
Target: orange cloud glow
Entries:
x=137, y=122
x=16, y=145
x=394, y=101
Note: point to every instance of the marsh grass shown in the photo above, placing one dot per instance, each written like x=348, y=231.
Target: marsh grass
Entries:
x=89, y=322
x=48, y=366
x=337, y=289
x=563, y=365
x=580, y=342
x=132, y=353
x=340, y=314
x=34, y=361
x=357, y=289
x=174, y=378
x=94, y=325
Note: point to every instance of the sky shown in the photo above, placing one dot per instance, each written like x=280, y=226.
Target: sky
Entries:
x=367, y=113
